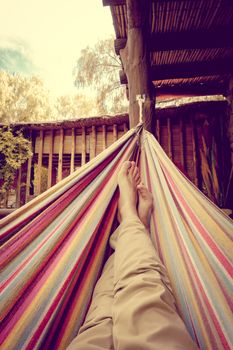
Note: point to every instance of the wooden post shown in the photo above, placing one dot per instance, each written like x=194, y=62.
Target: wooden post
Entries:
x=182, y=144
x=104, y=140
x=125, y=127
x=60, y=155
x=39, y=165
x=136, y=61
x=18, y=191
x=5, y=200
x=169, y=138
x=72, y=150
x=229, y=183
x=29, y=169
x=158, y=130
x=50, y=166
x=230, y=126
x=194, y=153
x=114, y=132
x=93, y=142
x=83, y=145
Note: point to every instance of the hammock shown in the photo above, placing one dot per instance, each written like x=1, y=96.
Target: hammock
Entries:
x=53, y=249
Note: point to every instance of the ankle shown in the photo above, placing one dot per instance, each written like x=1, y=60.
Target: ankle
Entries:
x=127, y=211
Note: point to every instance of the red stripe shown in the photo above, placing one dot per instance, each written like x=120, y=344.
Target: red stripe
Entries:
x=217, y=252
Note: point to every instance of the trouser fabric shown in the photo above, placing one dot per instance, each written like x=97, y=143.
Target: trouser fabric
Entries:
x=133, y=306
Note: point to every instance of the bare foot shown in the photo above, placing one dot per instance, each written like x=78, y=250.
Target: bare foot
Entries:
x=145, y=205
x=128, y=180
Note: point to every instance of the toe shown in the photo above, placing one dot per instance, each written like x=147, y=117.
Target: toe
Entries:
x=125, y=167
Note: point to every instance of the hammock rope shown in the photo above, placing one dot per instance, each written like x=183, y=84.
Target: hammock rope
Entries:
x=53, y=249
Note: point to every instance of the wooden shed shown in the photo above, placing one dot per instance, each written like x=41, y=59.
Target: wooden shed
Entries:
x=176, y=47
x=182, y=125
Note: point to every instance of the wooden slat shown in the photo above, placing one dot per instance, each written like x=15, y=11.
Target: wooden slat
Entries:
x=125, y=127
x=182, y=144
x=83, y=145
x=186, y=40
x=72, y=150
x=114, y=132
x=123, y=2
x=158, y=129
x=187, y=70
x=60, y=155
x=5, y=202
x=93, y=142
x=28, y=180
x=194, y=153
x=169, y=138
x=50, y=166
x=29, y=170
x=39, y=165
x=18, y=190
x=104, y=140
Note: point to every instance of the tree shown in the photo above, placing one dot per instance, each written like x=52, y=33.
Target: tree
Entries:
x=98, y=68
x=23, y=99
x=14, y=151
x=71, y=107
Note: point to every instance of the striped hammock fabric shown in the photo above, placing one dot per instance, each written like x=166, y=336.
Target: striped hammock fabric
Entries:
x=53, y=249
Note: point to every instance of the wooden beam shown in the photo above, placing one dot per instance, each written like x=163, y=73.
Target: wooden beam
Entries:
x=186, y=40
x=60, y=155
x=5, y=200
x=104, y=137
x=114, y=132
x=123, y=2
x=136, y=61
x=83, y=145
x=191, y=88
x=125, y=127
x=18, y=190
x=39, y=164
x=28, y=180
x=50, y=165
x=169, y=138
x=72, y=150
x=194, y=144
x=29, y=171
x=187, y=70
x=93, y=142
x=158, y=130
x=182, y=144
x=113, y=2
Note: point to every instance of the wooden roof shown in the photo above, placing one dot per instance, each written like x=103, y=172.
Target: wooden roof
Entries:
x=78, y=122
x=191, y=42
x=185, y=103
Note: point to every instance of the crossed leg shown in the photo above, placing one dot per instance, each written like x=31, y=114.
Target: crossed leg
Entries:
x=133, y=306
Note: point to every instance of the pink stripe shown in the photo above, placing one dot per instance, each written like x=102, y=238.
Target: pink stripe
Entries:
x=28, y=297
x=217, y=252
x=190, y=268
x=153, y=215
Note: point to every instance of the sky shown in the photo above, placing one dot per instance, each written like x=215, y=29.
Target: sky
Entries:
x=45, y=37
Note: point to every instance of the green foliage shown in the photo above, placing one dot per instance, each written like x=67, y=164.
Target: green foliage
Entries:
x=98, y=69
x=14, y=151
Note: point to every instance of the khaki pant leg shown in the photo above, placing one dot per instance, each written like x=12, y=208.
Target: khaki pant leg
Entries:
x=96, y=332
x=144, y=313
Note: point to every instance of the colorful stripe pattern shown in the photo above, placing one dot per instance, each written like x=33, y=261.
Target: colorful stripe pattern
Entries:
x=194, y=240
x=53, y=249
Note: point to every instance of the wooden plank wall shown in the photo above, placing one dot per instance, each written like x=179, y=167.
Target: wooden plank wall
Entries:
x=176, y=137
x=59, y=152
